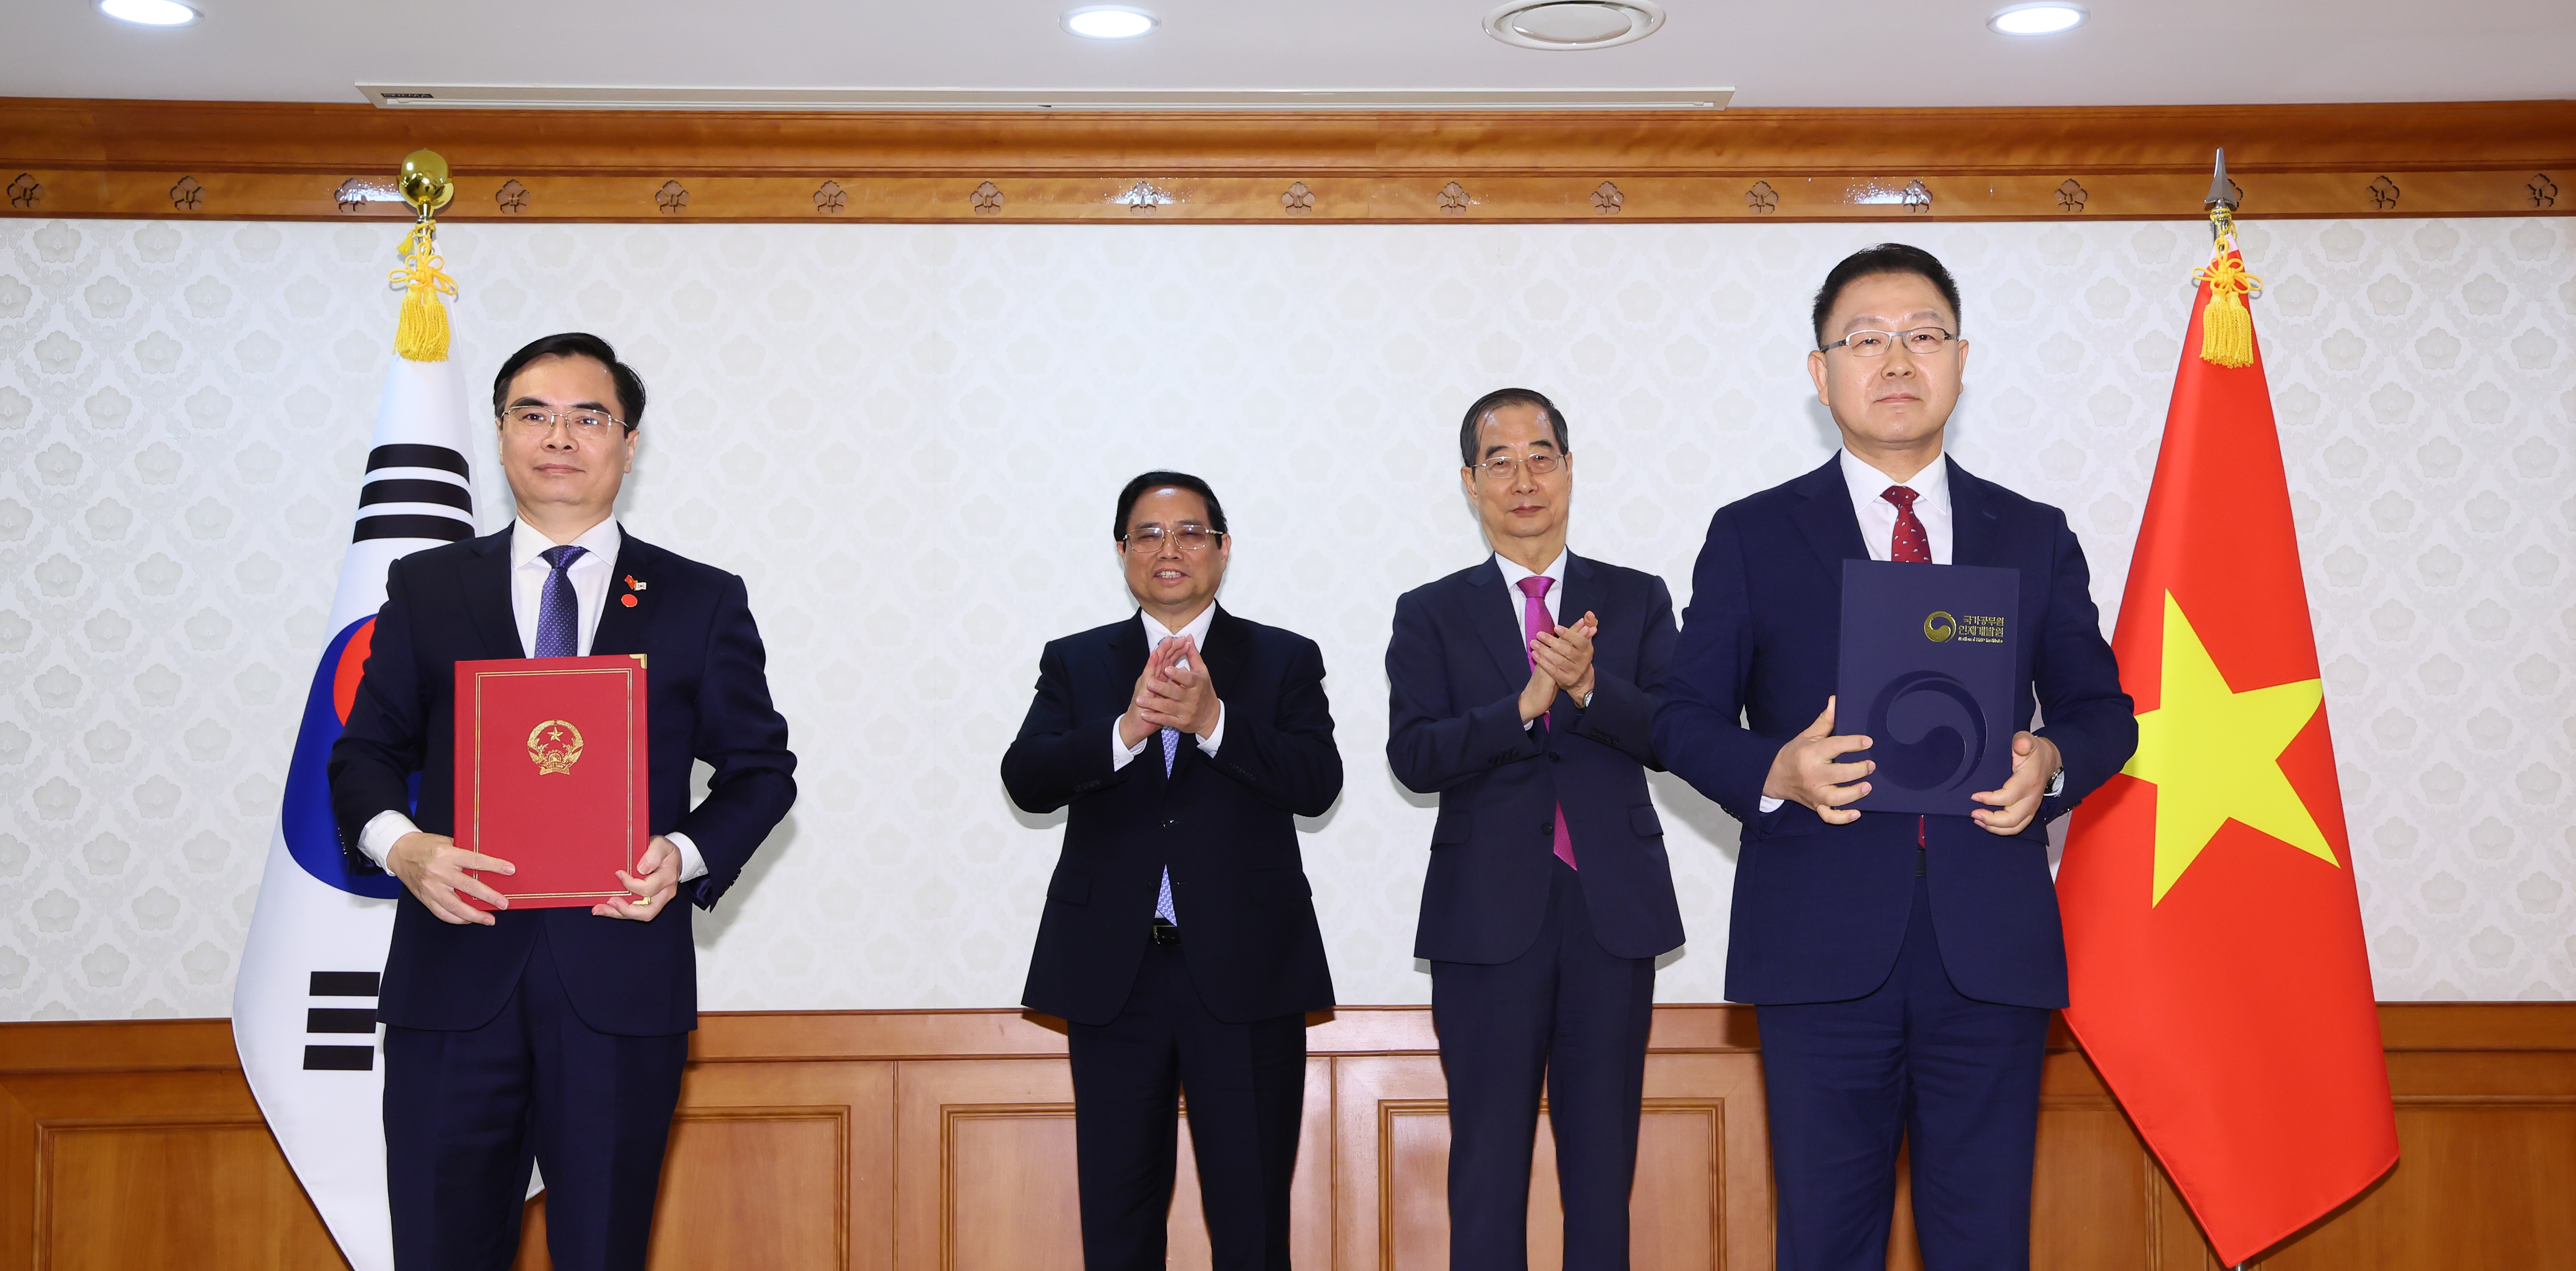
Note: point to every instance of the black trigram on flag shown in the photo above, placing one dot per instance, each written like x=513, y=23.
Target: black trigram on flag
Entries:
x=416, y=491
x=343, y=1021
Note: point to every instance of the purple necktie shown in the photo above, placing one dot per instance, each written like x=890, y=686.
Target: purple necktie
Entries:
x=558, y=617
x=1535, y=623
x=1163, y=899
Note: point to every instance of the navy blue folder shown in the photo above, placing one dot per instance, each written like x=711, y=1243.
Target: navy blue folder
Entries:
x=1926, y=674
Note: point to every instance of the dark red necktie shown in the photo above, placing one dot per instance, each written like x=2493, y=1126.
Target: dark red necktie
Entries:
x=1911, y=545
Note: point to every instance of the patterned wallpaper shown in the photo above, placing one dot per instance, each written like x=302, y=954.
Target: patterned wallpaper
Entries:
x=908, y=438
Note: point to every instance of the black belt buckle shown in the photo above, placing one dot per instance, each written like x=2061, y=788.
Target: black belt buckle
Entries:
x=1165, y=933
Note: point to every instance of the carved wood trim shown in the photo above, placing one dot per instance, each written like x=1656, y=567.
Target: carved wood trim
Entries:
x=236, y=160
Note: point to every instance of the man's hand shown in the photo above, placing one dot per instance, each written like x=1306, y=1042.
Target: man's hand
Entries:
x=1806, y=771
x=1565, y=654
x=1538, y=694
x=1133, y=727
x=659, y=882
x=1182, y=696
x=434, y=868
x=2034, y=762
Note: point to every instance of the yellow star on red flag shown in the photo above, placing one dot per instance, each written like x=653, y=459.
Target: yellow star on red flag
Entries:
x=2213, y=755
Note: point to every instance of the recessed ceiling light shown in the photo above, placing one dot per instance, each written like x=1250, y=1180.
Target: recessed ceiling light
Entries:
x=149, y=12
x=1109, y=22
x=2036, y=19
x=1573, y=24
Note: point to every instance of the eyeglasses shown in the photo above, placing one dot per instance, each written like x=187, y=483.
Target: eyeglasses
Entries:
x=1921, y=341
x=1148, y=540
x=1539, y=462
x=537, y=421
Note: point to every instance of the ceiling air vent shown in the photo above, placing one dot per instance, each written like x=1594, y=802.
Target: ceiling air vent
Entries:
x=1571, y=25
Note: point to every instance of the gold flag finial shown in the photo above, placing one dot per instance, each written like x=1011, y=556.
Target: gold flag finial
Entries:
x=421, y=334
x=2226, y=324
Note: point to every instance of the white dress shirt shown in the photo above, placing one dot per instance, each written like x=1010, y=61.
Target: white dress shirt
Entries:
x=1512, y=576
x=1519, y=601
x=1155, y=634
x=1931, y=489
x=590, y=575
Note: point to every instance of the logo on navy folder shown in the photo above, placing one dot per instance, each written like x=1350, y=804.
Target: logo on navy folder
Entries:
x=1926, y=728
x=1940, y=628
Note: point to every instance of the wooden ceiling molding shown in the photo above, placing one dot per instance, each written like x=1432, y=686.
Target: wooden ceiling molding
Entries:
x=275, y=161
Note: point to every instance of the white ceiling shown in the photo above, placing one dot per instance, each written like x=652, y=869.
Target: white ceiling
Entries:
x=1773, y=53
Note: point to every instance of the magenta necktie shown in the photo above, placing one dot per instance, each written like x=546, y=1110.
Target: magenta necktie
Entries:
x=1535, y=623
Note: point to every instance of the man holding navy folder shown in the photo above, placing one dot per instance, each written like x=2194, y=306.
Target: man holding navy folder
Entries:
x=1904, y=963
x=553, y=1035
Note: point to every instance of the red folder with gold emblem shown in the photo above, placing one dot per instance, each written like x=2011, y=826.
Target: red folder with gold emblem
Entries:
x=551, y=763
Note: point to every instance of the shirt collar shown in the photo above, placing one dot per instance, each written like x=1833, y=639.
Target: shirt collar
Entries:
x=603, y=540
x=1931, y=485
x=1196, y=628
x=1513, y=573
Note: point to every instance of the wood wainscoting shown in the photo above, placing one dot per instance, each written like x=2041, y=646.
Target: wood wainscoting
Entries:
x=943, y=1141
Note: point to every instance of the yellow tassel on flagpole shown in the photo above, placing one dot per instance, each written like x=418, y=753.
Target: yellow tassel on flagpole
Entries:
x=421, y=334
x=2226, y=325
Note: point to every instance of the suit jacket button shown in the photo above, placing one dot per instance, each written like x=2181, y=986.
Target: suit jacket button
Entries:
x=1547, y=826
x=1553, y=757
x=1169, y=824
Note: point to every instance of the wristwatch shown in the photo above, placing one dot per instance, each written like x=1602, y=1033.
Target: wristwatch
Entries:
x=2056, y=785
x=1585, y=701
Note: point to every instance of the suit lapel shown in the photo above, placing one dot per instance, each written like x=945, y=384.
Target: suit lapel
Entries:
x=1127, y=653
x=1581, y=593
x=1824, y=514
x=486, y=572
x=1503, y=639
x=1227, y=653
x=621, y=625
x=1976, y=536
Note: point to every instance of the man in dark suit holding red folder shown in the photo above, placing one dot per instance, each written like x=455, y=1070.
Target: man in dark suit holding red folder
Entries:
x=1904, y=966
x=553, y=1036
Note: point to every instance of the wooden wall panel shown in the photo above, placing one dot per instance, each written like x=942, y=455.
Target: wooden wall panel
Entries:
x=2465, y=1162
x=208, y=1194
x=1699, y=1141
x=328, y=162
x=943, y=1141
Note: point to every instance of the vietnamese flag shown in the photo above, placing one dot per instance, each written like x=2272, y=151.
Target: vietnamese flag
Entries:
x=2213, y=932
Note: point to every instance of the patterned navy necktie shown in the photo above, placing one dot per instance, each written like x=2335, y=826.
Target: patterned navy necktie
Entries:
x=1171, y=751
x=558, y=615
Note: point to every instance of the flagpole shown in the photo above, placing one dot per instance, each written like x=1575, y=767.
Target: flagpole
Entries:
x=2221, y=203
x=305, y=994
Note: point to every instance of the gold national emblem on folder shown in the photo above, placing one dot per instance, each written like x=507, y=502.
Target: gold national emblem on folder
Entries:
x=555, y=746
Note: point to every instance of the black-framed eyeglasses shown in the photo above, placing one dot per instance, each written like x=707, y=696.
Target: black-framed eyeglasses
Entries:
x=1148, y=540
x=584, y=425
x=1539, y=462
x=1921, y=342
